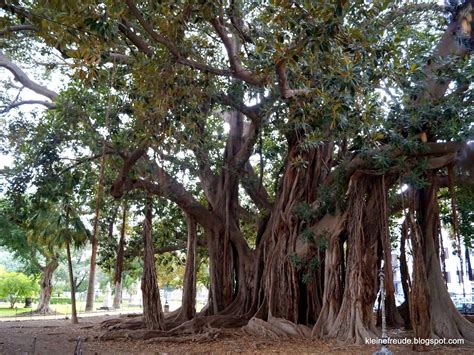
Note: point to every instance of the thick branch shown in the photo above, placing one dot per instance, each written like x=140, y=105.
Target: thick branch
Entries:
x=242, y=156
x=207, y=177
x=451, y=44
x=234, y=57
x=255, y=189
x=166, y=186
x=23, y=78
x=169, y=188
x=445, y=150
x=252, y=112
x=118, y=185
x=283, y=85
x=165, y=249
x=126, y=28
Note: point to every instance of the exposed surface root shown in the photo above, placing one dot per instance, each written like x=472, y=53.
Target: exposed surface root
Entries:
x=276, y=329
x=210, y=335
x=205, y=327
x=129, y=323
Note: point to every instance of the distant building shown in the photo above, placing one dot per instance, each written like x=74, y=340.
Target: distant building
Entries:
x=452, y=277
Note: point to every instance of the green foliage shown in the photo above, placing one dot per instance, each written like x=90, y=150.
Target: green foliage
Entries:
x=15, y=286
x=464, y=197
x=323, y=240
x=415, y=176
x=307, y=235
x=297, y=261
x=303, y=211
x=361, y=82
x=60, y=300
x=170, y=269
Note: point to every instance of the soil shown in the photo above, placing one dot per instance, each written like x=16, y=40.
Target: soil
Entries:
x=60, y=337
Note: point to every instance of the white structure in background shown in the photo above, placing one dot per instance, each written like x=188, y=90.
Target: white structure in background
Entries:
x=107, y=297
x=453, y=266
x=137, y=298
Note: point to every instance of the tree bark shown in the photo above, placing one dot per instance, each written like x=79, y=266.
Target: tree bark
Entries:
x=188, y=304
x=468, y=263
x=119, y=261
x=154, y=318
x=100, y=187
x=434, y=314
x=355, y=321
x=74, y=319
x=91, y=283
x=292, y=279
x=404, y=309
x=393, y=317
x=418, y=300
x=46, y=286
x=333, y=279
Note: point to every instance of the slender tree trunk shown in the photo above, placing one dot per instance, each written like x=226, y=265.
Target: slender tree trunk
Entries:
x=468, y=263
x=74, y=319
x=119, y=261
x=393, y=317
x=46, y=287
x=154, y=318
x=418, y=300
x=455, y=224
x=404, y=308
x=188, y=307
x=95, y=229
x=443, y=257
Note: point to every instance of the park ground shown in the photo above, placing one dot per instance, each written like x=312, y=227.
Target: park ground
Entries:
x=60, y=337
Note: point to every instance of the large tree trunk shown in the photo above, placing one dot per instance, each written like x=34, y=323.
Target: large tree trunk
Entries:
x=46, y=286
x=152, y=310
x=333, y=277
x=74, y=319
x=119, y=261
x=441, y=319
x=229, y=254
x=220, y=269
x=292, y=279
x=418, y=301
x=355, y=321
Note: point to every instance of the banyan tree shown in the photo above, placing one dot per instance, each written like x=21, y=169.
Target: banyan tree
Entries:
x=290, y=134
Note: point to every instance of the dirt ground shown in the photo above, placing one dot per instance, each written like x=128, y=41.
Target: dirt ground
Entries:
x=60, y=337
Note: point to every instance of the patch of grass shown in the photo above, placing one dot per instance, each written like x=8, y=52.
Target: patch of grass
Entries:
x=6, y=311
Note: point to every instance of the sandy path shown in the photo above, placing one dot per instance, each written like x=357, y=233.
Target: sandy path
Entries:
x=59, y=337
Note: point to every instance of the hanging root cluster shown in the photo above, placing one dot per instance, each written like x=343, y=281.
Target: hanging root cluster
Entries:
x=338, y=303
